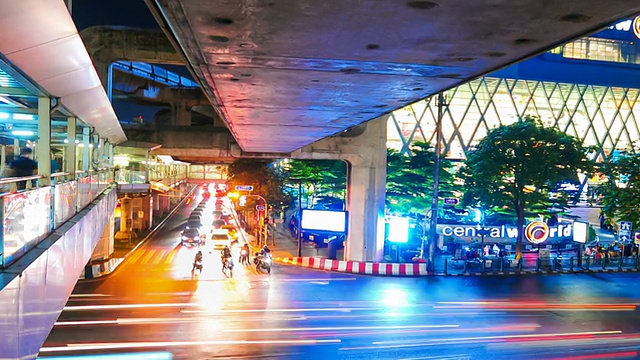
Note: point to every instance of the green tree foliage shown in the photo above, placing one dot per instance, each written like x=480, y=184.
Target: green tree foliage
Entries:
x=318, y=177
x=410, y=179
x=622, y=192
x=515, y=166
x=265, y=178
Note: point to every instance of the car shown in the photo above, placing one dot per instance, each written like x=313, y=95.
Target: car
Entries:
x=218, y=224
x=192, y=237
x=220, y=239
x=233, y=231
x=194, y=223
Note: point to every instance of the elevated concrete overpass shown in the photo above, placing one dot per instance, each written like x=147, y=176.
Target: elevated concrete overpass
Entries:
x=283, y=74
x=286, y=76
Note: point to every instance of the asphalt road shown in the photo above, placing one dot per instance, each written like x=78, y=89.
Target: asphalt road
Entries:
x=154, y=308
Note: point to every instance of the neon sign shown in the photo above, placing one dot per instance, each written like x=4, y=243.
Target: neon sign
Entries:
x=536, y=232
x=628, y=25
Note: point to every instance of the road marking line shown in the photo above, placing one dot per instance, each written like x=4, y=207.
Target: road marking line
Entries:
x=169, y=259
x=133, y=345
x=147, y=257
x=156, y=260
x=136, y=256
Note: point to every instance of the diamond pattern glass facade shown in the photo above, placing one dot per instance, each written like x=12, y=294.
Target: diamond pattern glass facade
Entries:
x=605, y=117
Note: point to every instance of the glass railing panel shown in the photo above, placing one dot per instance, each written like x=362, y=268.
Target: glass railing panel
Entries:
x=84, y=192
x=26, y=221
x=95, y=186
x=131, y=177
x=65, y=202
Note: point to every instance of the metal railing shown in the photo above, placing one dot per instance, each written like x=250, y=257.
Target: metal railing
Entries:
x=31, y=212
x=558, y=263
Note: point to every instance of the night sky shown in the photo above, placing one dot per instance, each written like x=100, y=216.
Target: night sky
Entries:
x=87, y=13
x=130, y=13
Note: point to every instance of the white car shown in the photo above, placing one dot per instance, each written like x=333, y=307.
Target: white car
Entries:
x=220, y=239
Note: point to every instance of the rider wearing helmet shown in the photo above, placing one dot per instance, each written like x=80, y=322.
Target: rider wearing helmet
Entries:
x=225, y=254
x=197, y=258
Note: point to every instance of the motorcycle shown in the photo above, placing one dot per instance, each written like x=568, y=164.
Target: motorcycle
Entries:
x=198, y=266
x=263, y=262
x=228, y=265
x=244, y=257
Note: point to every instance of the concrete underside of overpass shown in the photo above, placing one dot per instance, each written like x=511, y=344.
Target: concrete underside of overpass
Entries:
x=284, y=74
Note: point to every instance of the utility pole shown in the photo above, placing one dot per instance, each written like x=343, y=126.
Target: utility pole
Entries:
x=299, y=218
x=436, y=180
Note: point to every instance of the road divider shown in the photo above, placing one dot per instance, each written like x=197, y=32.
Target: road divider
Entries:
x=357, y=267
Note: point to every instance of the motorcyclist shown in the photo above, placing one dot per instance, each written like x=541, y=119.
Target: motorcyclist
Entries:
x=225, y=254
x=197, y=259
x=244, y=259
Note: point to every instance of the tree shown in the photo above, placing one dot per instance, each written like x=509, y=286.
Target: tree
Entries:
x=410, y=179
x=516, y=165
x=622, y=191
x=319, y=177
x=265, y=178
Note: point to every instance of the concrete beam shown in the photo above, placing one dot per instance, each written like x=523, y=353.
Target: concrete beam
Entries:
x=107, y=44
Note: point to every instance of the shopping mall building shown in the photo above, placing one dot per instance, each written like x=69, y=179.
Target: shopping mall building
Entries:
x=588, y=88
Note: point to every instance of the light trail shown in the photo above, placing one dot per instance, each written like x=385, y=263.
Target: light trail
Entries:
x=333, y=328
x=379, y=345
x=77, y=347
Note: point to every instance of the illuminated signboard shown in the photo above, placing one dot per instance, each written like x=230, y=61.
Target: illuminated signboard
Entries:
x=536, y=231
x=628, y=25
x=324, y=220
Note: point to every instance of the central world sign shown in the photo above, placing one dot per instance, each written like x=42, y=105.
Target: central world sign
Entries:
x=535, y=232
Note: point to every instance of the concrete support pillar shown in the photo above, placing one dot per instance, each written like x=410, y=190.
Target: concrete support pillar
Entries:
x=182, y=114
x=365, y=203
x=16, y=147
x=146, y=166
x=126, y=219
x=365, y=151
x=44, y=140
x=85, y=148
x=102, y=152
x=110, y=154
x=70, y=151
x=3, y=158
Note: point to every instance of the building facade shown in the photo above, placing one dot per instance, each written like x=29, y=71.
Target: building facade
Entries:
x=589, y=88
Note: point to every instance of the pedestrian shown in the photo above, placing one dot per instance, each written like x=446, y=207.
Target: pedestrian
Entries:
x=24, y=166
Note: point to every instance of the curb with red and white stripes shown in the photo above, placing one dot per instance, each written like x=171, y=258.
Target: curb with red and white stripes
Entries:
x=357, y=267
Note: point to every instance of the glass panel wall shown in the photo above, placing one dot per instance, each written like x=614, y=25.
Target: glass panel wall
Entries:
x=605, y=117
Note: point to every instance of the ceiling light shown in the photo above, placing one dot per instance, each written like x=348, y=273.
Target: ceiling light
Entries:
x=4, y=115
x=22, y=133
x=22, y=117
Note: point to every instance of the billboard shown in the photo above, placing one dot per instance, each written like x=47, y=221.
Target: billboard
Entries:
x=324, y=220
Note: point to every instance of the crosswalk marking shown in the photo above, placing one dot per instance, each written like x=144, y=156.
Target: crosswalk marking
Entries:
x=172, y=255
x=134, y=258
x=148, y=255
x=159, y=257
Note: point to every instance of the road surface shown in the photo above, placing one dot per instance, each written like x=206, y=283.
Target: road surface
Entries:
x=154, y=306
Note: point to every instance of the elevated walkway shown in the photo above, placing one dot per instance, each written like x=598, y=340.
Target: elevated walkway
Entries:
x=49, y=235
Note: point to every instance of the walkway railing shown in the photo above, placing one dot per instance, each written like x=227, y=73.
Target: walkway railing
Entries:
x=30, y=215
